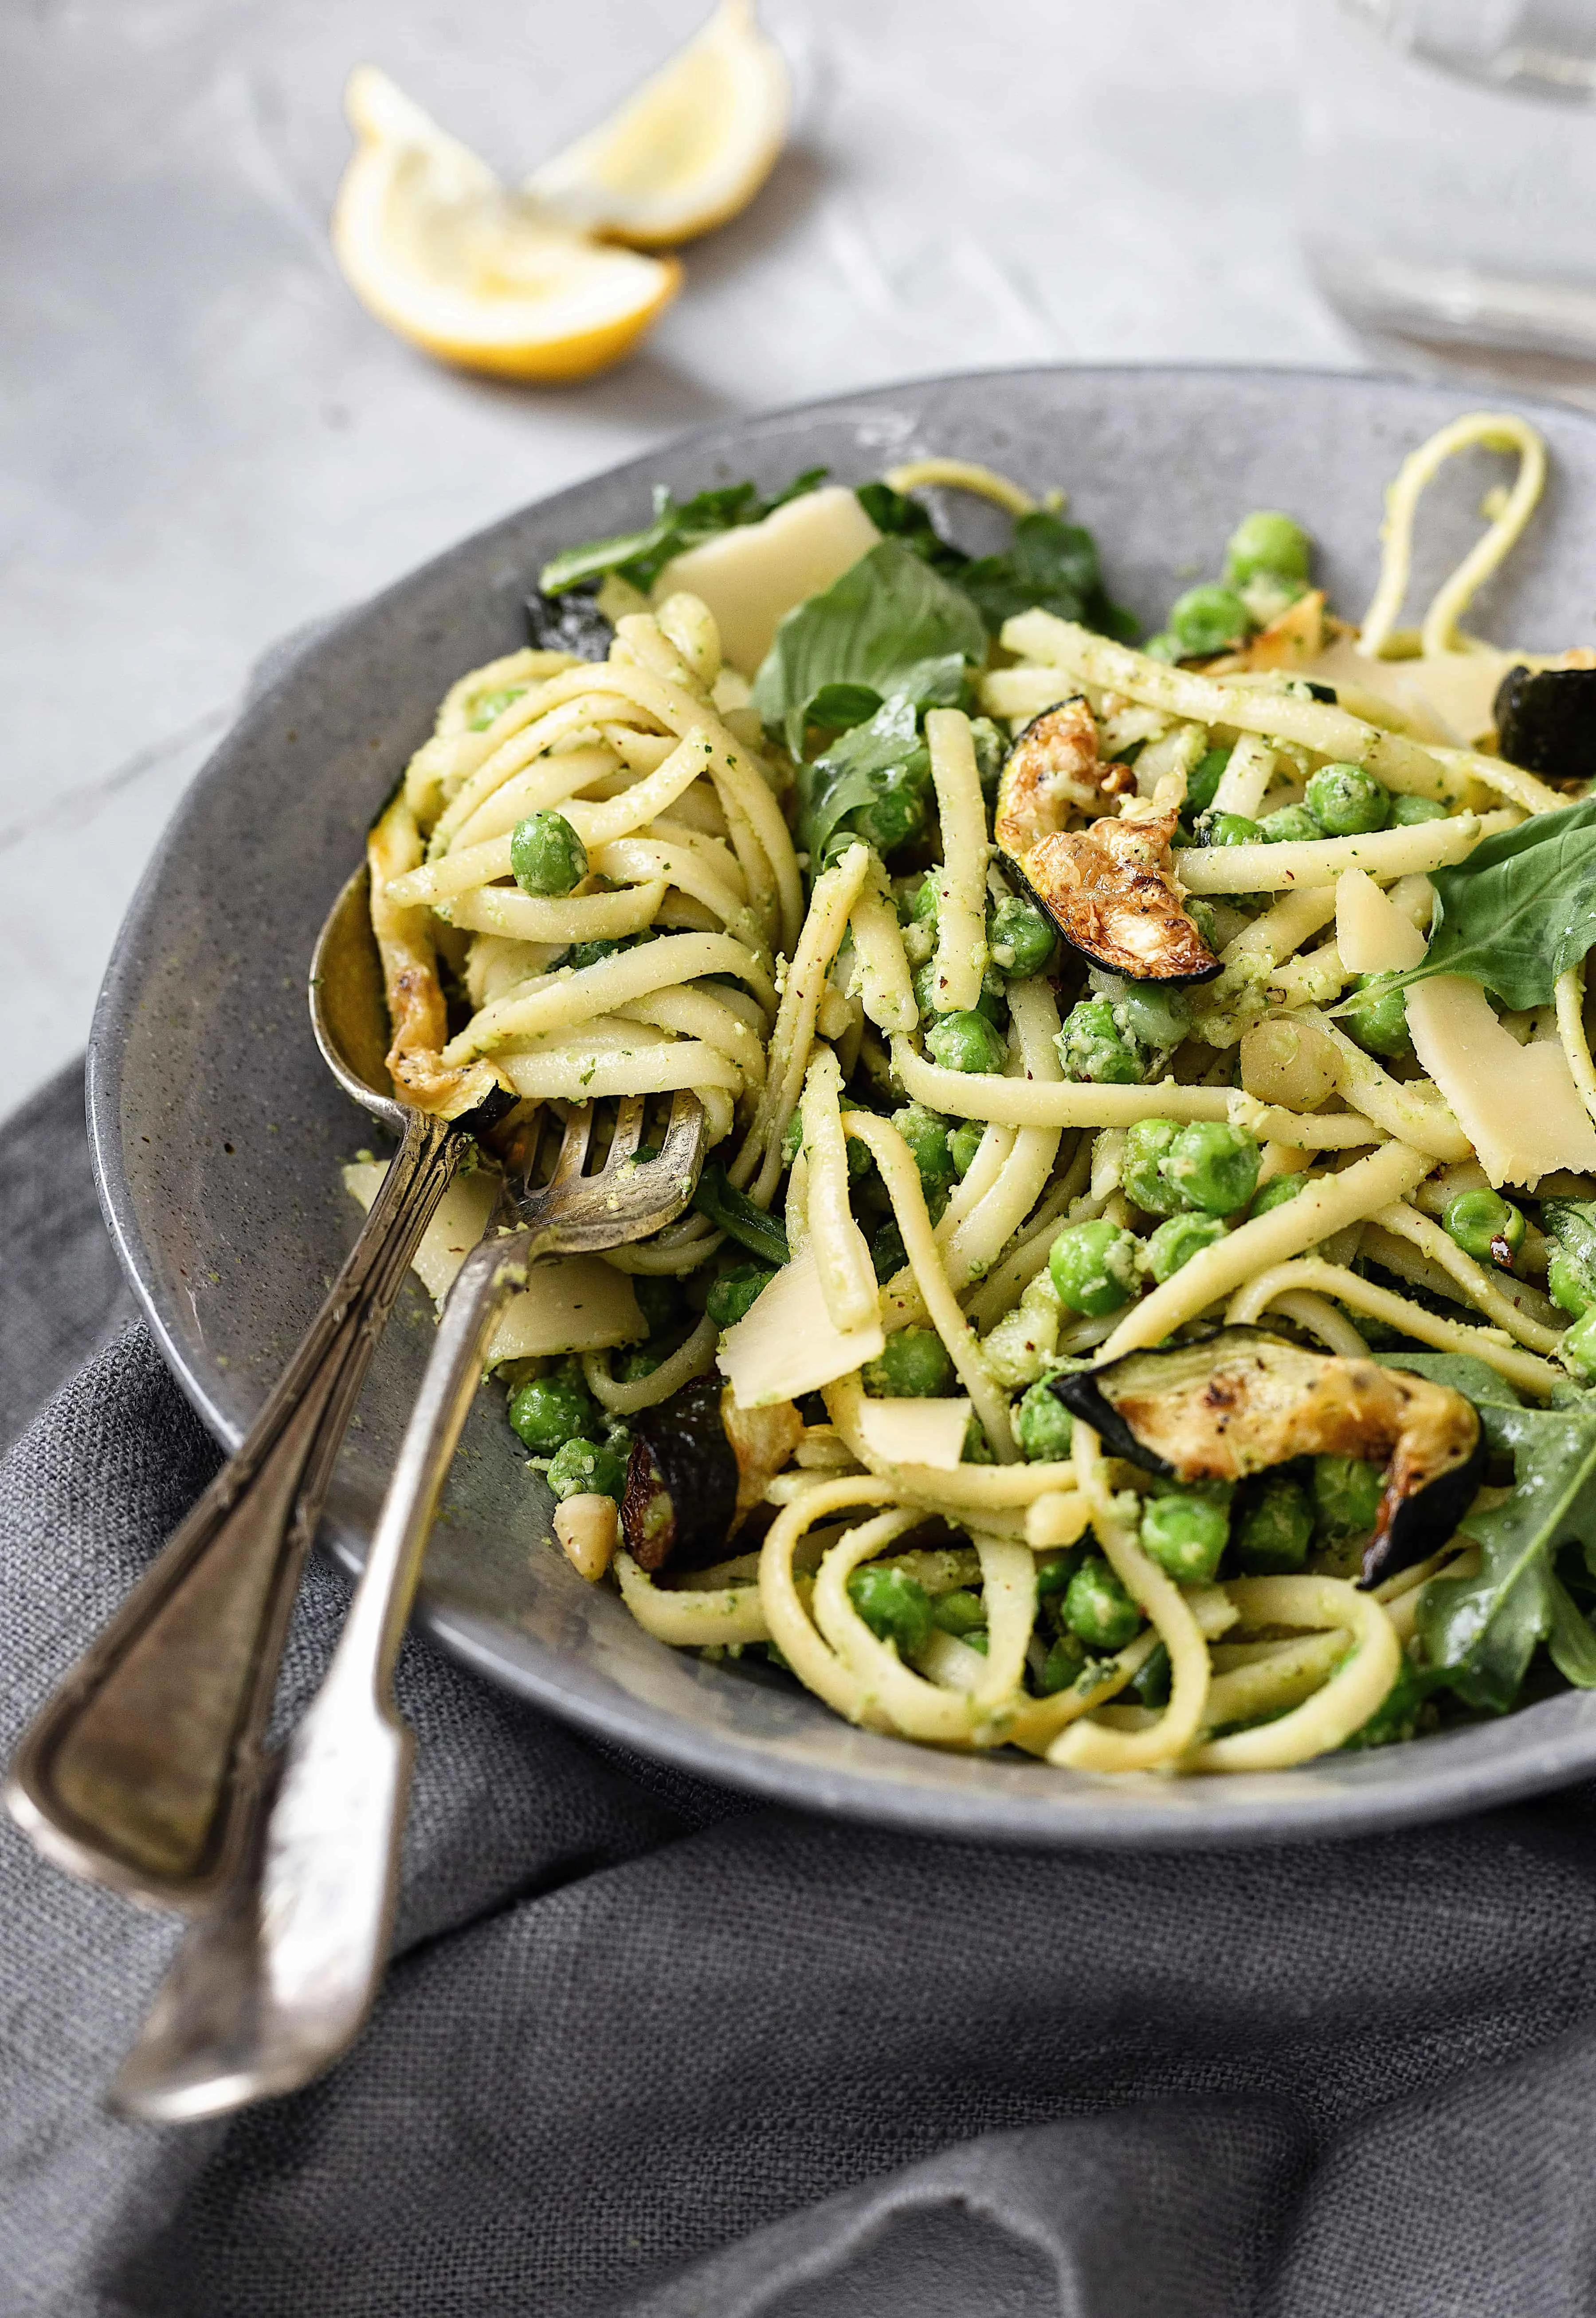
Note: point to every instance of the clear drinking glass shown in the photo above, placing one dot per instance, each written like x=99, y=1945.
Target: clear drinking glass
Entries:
x=1449, y=186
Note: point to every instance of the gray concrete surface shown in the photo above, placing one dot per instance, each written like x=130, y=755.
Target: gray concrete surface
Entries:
x=205, y=441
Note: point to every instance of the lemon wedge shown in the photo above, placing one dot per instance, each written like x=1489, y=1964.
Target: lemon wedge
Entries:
x=441, y=251
x=690, y=150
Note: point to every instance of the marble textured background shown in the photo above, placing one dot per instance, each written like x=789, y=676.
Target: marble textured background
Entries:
x=205, y=441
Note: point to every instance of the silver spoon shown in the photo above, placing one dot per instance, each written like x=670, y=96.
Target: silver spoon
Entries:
x=140, y=1770
x=270, y=1987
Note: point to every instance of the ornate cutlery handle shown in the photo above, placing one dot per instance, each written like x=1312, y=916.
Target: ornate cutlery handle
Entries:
x=140, y=1770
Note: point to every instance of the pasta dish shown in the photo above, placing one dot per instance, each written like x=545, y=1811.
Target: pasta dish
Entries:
x=1140, y=1304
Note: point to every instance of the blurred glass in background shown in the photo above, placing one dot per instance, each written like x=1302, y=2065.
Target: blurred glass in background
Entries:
x=1448, y=189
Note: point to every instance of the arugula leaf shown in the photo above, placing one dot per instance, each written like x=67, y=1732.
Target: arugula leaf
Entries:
x=876, y=627
x=1053, y=566
x=738, y=1217
x=1475, y=1378
x=1481, y=1632
x=1519, y=912
x=640, y=556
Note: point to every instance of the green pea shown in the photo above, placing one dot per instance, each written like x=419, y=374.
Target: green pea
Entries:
x=1164, y=647
x=965, y=1041
x=1289, y=824
x=1486, y=1227
x=1213, y=1166
x=1094, y=1050
x=1042, y=1425
x=959, y=1613
x=1147, y=1146
x=736, y=1292
x=1348, y=802
x=659, y=1300
x=1278, y=1190
x=1209, y=619
x=1377, y=1019
x=1267, y=542
x=1150, y=1684
x=913, y=1366
x=1274, y=1529
x=1054, y=1571
x=555, y=1408
x=1175, y=1241
x=583, y=1467
x=963, y=1145
x=1186, y=1536
x=1577, y=1349
x=926, y=1134
x=546, y=854
x=1203, y=780
x=1149, y=1015
x=1097, y=1608
x=638, y=1364
x=975, y=1448
x=1231, y=829
x=895, y=1606
x=1347, y=1492
x=486, y=705
x=1408, y=812
x=1569, y=1285
x=928, y=898
x=990, y=1003
x=894, y=815
x=1021, y=939
x=1093, y=1267
x=1065, y=1662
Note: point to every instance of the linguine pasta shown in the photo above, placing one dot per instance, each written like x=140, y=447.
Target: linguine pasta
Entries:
x=920, y=1087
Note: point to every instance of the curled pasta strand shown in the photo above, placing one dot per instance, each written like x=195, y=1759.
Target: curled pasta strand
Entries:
x=1250, y=1302
x=1087, y=1745
x=1495, y=431
x=692, y=1620
x=1344, y=1703
x=694, y=1358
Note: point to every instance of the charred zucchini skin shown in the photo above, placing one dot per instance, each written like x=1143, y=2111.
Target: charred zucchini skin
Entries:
x=1083, y=1397
x=1415, y=1526
x=680, y=1454
x=1412, y=1523
x=1546, y=721
x=1015, y=872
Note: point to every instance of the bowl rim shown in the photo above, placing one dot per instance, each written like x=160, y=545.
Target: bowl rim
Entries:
x=1441, y=1779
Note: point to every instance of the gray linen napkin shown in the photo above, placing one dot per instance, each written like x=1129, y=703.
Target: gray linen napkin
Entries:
x=646, y=2050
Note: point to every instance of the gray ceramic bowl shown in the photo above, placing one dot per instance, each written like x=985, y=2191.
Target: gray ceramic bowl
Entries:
x=217, y=1135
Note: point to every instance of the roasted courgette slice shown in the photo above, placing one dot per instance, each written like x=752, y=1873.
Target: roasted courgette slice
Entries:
x=1241, y=1400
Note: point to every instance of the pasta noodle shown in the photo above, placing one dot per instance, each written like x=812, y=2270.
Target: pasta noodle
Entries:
x=955, y=1160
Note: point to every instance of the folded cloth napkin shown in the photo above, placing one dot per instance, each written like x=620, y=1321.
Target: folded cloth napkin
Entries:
x=646, y=2050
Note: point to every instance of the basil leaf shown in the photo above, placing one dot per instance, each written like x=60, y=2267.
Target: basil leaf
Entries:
x=837, y=708
x=738, y=1217
x=640, y=556
x=898, y=516
x=1519, y=912
x=887, y=616
x=1052, y=566
x=856, y=773
x=1481, y=1632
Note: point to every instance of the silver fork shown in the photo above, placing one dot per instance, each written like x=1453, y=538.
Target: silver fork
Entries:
x=274, y=1984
